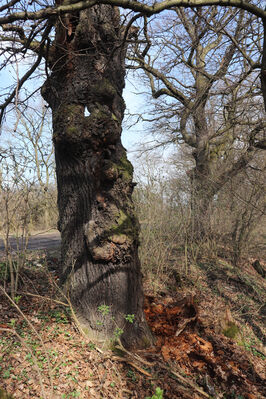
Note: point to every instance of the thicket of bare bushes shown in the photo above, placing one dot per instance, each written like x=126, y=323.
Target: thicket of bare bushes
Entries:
x=27, y=190
x=236, y=223
x=27, y=175
x=24, y=209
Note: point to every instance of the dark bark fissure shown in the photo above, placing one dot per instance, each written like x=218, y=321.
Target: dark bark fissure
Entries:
x=99, y=230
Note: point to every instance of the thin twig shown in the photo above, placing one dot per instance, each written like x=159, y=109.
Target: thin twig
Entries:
x=141, y=370
x=44, y=297
x=186, y=381
x=134, y=356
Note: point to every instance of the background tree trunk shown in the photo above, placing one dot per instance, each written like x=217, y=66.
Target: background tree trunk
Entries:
x=100, y=265
x=203, y=189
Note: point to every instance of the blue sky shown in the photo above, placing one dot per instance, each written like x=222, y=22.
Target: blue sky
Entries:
x=135, y=103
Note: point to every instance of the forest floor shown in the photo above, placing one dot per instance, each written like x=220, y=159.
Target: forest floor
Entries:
x=207, y=322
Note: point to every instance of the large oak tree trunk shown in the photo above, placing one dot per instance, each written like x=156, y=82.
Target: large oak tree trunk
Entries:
x=100, y=265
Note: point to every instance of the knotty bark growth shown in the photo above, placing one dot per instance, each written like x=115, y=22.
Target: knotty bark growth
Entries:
x=100, y=264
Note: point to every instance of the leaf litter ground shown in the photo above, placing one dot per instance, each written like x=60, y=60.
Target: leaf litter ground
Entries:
x=43, y=355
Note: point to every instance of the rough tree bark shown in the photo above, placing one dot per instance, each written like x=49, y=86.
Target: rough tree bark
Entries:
x=99, y=230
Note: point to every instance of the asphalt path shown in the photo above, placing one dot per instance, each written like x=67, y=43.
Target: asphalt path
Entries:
x=37, y=241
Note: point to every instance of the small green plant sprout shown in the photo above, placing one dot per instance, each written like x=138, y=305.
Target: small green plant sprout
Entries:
x=91, y=345
x=17, y=299
x=118, y=332
x=12, y=322
x=73, y=394
x=7, y=373
x=130, y=318
x=104, y=309
x=131, y=374
x=158, y=394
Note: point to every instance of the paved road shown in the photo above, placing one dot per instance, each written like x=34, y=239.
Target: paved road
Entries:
x=40, y=241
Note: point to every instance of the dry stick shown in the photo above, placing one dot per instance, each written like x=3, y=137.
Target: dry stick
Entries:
x=187, y=382
x=127, y=391
x=123, y=359
x=43, y=297
x=24, y=343
x=36, y=332
x=136, y=357
x=139, y=369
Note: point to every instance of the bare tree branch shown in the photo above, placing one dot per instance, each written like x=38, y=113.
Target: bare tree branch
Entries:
x=28, y=73
x=134, y=5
